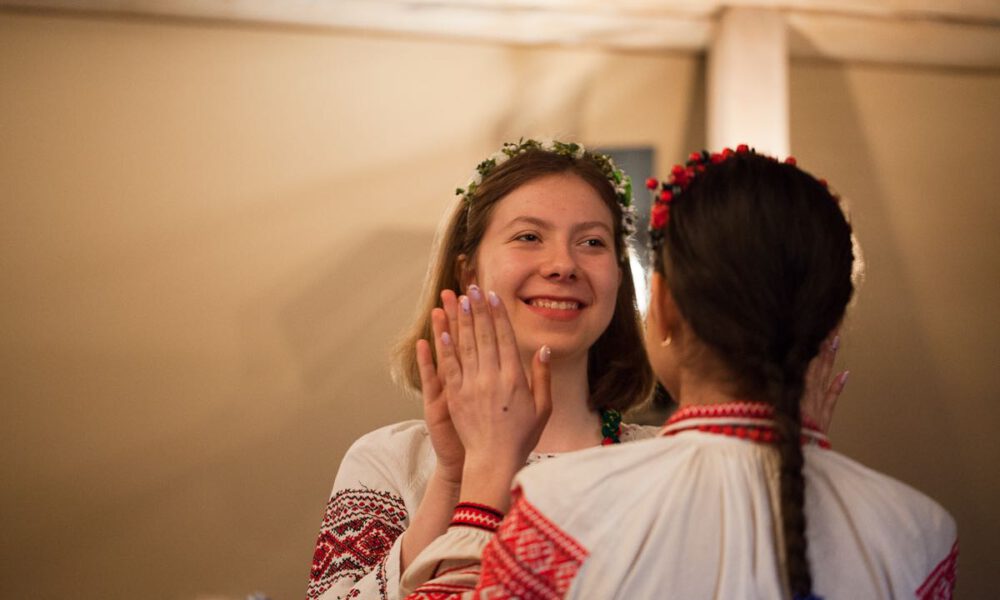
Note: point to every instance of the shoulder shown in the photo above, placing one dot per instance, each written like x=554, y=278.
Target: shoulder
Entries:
x=905, y=531
x=633, y=431
x=399, y=455
x=405, y=434
x=889, y=498
x=585, y=481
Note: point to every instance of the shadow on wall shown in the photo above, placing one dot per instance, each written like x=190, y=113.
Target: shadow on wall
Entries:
x=364, y=299
x=892, y=405
x=338, y=327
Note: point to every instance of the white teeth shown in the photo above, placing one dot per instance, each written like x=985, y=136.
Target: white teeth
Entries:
x=557, y=304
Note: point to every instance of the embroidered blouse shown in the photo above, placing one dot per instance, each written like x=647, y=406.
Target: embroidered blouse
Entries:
x=696, y=512
x=380, y=483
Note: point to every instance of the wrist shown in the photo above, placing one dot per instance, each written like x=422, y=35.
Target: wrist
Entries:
x=487, y=483
x=449, y=480
x=480, y=516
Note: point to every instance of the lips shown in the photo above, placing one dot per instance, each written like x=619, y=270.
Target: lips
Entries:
x=555, y=304
x=554, y=308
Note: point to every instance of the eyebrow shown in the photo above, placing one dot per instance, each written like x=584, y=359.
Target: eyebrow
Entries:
x=543, y=224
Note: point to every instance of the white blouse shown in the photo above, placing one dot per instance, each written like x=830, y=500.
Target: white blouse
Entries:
x=695, y=514
x=380, y=483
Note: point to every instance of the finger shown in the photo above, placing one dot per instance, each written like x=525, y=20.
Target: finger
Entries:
x=827, y=358
x=507, y=350
x=466, y=335
x=430, y=385
x=828, y=401
x=486, y=341
x=541, y=385
x=449, y=369
x=449, y=302
x=833, y=395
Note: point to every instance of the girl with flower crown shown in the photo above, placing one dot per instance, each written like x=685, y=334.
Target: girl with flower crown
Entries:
x=547, y=352
x=736, y=498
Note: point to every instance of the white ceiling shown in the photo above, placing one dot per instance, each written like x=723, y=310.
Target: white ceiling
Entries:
x=963, y=33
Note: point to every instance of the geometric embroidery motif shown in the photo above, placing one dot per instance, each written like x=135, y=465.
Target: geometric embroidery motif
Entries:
x=530, y=557
x=358, y=530
x=476, y=515
x=940, y=584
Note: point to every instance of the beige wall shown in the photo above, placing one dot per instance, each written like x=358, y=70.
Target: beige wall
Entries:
x=211, y=234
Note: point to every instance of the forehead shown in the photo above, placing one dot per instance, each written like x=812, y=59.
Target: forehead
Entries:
x=562, y=199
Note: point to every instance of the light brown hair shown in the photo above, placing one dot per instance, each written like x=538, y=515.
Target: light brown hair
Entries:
x=618, y=372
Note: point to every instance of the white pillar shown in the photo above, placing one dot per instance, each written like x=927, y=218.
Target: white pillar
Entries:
x=748, y=81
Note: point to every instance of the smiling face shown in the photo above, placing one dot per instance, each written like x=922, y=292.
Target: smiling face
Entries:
x=549, y=253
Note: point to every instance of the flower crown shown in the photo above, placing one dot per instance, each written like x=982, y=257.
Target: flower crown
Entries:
x=620, y=182
x=681, y=177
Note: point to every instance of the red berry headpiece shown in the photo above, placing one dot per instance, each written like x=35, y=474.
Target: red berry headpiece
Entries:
x=681, y=177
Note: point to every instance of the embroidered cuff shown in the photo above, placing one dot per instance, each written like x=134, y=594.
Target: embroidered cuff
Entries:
x=469, y=514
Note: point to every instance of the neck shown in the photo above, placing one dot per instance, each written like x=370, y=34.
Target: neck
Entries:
x=572, y=425
x=697, y=391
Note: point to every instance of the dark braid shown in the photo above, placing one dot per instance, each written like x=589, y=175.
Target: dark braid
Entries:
x=787, y=392
x=758, y=258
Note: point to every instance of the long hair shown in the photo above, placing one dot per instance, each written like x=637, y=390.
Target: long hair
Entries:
x=618, y=371
x=758, y=257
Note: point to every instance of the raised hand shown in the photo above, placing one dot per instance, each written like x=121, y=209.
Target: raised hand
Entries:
x=444, y=439
x=496, y=413
x=821, y=392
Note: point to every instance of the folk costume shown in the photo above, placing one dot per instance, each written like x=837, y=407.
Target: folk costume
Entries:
x=693, y=513
x=381, y=481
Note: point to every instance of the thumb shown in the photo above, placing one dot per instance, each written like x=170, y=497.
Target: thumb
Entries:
x=541, y=388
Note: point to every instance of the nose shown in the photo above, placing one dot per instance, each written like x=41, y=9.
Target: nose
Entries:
x=559, y=265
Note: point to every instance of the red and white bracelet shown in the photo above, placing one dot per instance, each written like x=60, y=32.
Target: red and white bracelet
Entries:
x=470, y=514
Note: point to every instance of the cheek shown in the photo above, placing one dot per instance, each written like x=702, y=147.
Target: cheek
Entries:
x=499, y=276
x=609, y=280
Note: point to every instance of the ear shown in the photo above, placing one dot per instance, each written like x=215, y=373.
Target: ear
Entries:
x=465, y=271
x=664, y=318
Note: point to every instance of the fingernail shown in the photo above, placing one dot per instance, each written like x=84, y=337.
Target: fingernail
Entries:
x=843, y=379
x=446, y=338
x=464, y=303
x=544, y=354
x=835, y=343
x=475, y=293
x=494, y=299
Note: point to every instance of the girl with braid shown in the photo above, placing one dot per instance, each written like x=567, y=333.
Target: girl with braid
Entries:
x=737, y=497
x=539, y=238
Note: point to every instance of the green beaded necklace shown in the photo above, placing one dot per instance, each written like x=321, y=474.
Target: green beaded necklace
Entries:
x=611, y=426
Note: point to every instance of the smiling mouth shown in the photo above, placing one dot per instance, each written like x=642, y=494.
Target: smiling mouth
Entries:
x=554, y=304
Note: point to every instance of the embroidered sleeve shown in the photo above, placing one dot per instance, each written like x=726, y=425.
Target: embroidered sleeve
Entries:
x=529, y=557
x=448, y=568
x=940, y=584
x=357, y=550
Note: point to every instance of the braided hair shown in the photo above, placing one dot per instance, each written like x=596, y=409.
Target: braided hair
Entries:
x=758, y=258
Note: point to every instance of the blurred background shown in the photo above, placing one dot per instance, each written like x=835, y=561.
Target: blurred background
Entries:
x=215, y=217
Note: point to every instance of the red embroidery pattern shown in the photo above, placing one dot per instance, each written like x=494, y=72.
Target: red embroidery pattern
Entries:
x=940, y=584
x=745, y=420
x=749, y=410
x=530, y=557
x=476, y=515
x=358, y=530
x=439, y=592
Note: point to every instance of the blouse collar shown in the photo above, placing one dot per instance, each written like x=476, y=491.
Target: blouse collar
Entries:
x=753, y=421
